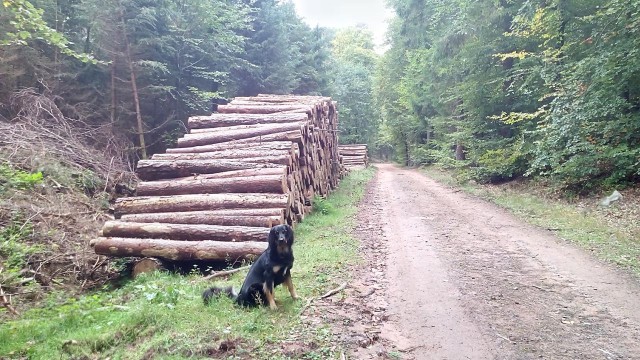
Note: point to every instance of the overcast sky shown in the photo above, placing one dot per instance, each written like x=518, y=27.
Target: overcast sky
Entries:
x=344, y=13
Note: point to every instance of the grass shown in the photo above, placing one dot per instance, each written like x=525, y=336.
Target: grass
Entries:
x=161, y=315
x=585, y=225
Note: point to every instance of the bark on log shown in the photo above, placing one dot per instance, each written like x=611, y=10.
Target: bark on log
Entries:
x=177, y=203
x=208, y=218
x=264, y=109
x=179, y=250
x=236, y=154
x=185, y=232
x=223, y=120
x=282, y=170
x=353, y=152
x=228, y=146
x=276, y=184
x=158, y=169
x=186, y=215
x=290, y=136
x=207, y=138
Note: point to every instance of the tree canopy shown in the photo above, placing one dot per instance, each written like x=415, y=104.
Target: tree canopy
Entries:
x=498, y=89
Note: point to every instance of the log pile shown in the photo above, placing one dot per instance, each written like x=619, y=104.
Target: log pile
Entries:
x=353, y=155
x=256, y=163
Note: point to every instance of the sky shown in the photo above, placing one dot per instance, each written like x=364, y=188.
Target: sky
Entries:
x=344, y=13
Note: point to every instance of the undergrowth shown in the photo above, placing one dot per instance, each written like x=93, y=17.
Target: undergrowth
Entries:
x=161, y=315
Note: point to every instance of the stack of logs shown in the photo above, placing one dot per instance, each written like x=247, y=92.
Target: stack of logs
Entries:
x=354, y=155
x=257, y=162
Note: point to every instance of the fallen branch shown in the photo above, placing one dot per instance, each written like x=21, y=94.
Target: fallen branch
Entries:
x=328, y=294
x=334, y=291
x=225, y=273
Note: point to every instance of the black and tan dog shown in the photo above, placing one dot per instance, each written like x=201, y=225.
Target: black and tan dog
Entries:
x=272, y=268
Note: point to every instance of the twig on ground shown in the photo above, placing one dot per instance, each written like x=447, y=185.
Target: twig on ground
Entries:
x=226, y=272
x=328, y=294
x=334, y=291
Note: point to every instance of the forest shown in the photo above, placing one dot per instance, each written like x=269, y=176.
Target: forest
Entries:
x=506, y=89
x=495, y=89
x=516, y=92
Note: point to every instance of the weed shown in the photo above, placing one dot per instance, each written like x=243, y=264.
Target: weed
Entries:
x=15, y=249
x=11, y=178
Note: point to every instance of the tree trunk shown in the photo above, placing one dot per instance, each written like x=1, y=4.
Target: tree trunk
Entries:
x=134, y=87
x=281, y=170
x=276, y=184
x=262, y=109
x=208, y=218
x=190, y=232
x=235, y=133
x=229, y=146
x=258, y=212
x=460, y=151
x=176, y=203
x=179, y=250
x=223, y=120
x=237, y=154
x=113, y=91
x=159, y=169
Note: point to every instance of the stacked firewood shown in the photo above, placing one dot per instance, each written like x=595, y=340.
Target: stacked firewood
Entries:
x=257, y=162
x=353, y=155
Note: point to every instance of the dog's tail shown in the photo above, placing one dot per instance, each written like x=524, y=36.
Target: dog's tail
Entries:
x=216, y=291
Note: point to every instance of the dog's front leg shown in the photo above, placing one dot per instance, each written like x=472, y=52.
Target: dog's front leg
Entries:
x=267, y=287
x=289, y=284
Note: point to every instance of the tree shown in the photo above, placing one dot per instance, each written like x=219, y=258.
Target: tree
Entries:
x=352, y=74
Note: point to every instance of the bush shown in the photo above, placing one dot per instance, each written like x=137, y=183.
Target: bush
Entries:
x=499, y=165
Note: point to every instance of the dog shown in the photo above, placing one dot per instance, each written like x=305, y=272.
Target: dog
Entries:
x=272, y=268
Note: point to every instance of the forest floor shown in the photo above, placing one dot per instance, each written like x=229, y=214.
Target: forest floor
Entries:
x=447, y=275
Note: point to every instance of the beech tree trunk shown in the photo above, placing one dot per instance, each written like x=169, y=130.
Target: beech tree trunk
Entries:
x=179, y=250
x=256, y=184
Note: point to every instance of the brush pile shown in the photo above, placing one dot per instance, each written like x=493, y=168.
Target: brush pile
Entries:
x=256, y=163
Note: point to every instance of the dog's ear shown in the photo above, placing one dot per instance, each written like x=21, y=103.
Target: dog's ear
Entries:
x=273, y=236
x=289, y=235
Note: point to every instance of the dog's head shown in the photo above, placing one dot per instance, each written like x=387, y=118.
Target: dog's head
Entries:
x=281, y=238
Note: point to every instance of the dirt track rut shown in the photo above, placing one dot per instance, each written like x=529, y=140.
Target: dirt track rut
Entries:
x=466, y=280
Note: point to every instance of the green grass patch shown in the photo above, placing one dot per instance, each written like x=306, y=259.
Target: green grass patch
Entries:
x=587, y=227
x=161, y=315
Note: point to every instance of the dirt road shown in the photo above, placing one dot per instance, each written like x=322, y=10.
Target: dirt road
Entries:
x=449, y=276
